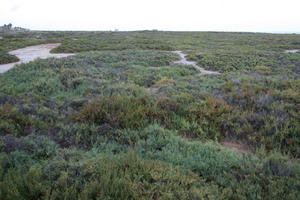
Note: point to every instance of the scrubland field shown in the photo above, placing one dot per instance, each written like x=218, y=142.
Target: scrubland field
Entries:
x=120, y=120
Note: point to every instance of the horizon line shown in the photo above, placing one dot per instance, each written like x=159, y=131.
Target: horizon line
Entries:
x=157, y=30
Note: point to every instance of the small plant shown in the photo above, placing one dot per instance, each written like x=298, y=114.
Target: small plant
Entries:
x=263, y=69
x=164, y=82
x=122, y=111
x=14, y=122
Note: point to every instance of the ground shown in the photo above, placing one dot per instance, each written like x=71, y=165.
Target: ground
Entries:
x=122, y=120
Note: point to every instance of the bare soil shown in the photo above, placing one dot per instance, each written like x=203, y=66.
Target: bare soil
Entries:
x=32, y=53
x=292, y=51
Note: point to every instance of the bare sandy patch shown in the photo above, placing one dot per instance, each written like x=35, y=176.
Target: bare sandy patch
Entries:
x=32, y=53
x=292, y=51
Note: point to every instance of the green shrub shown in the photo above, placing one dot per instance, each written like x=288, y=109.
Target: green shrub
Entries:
x=70, y=78
x=118, y=177
x=7, y=58
x=241, y=176
x=79, y=135
x=123, y=112
x=14, y=122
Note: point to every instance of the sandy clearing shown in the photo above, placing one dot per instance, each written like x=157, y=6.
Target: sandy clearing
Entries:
x=184, y=61
x=32, y=53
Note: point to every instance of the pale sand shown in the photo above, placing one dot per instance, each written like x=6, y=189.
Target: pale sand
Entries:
x=32, y=53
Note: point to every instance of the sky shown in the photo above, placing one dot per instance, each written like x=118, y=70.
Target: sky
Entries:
x=278, y=16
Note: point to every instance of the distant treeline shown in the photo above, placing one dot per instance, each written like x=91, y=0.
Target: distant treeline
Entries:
x=9, y=27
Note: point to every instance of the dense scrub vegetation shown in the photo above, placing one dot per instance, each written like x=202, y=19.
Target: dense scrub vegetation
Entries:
x=7, y=58
x=121, y=121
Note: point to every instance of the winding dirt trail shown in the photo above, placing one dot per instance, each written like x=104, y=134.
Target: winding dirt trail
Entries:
x=31, y=53
x=184, y=61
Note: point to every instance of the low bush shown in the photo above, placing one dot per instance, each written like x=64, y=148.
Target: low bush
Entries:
x=123, y=112
x=239, y=176
x=7, y=58
x=262, y=118
x=117, y=177
x=14, y=122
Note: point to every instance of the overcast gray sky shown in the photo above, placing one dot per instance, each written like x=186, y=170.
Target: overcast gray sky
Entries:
x=184, y=15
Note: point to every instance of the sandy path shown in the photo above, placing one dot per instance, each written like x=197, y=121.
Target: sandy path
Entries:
x=184, y=61
x=31, y=53
x=291, y=51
